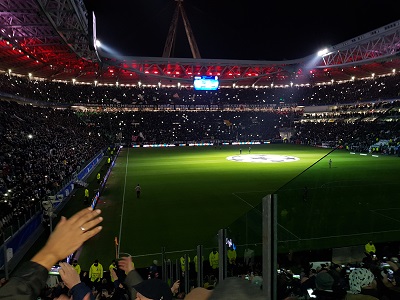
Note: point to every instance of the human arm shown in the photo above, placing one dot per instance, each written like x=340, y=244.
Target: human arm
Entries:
x=385, y=280
x=199, y=293
x=132, y=276
x=68, y=236
x=393, y=265
x=26, y=284
x=126, y=264
x=117, y=283
x=68, y=275
x=175, y=287
x=81, y=291
x=113, y=274
x=72, y=280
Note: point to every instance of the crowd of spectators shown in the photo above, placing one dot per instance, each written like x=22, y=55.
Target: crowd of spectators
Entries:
x=347, y=125
x=30, y=280
x=40, y=148
x=357, y=126
x=43, y=146
x=187, y=126
x=375, y=88
x=375, y=277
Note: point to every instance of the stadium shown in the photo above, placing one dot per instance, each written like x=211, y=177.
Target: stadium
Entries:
x=292, y=165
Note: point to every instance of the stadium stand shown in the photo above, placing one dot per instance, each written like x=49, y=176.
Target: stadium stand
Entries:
x=52, y=127
x=66, y=133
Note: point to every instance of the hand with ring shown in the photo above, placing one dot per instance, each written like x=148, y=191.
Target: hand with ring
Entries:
x=67, y=236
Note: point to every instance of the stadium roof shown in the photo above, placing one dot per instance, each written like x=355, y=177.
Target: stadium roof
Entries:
x=53, y=40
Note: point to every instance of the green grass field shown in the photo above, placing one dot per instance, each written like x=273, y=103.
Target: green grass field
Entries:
x=189, y=193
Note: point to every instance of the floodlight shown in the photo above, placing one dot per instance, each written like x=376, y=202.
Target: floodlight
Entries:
x=322, y=52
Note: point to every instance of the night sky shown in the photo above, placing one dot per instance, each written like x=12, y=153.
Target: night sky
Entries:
x=232, y=29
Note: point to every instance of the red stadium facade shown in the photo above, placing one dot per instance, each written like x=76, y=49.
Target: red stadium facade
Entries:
x=54, y=40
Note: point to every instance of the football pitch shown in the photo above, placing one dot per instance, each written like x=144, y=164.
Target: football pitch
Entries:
x=189, y=193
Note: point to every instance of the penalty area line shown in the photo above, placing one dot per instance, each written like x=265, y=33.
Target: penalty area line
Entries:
x=240, y=198
x=350, y=235
x=383, y=215
x=283, y=228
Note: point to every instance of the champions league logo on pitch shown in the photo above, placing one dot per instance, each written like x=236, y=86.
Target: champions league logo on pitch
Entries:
x=262, y=158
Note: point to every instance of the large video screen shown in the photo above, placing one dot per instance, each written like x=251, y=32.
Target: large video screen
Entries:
x=206, y=83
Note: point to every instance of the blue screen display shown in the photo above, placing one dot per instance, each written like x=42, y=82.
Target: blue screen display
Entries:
x=206, y=83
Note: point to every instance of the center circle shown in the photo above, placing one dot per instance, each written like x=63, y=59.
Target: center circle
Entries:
x=262, y=158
